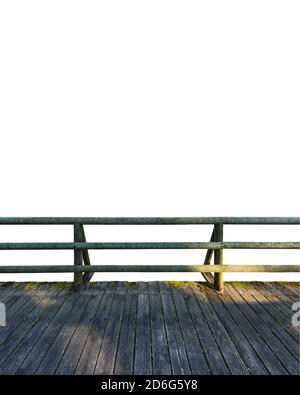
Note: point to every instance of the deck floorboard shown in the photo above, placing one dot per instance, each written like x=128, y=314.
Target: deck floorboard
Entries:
x=149, y=328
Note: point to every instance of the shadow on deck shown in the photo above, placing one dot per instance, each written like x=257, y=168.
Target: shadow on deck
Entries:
x=149, y=328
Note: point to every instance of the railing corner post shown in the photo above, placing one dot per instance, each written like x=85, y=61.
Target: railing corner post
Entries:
x=218, y=258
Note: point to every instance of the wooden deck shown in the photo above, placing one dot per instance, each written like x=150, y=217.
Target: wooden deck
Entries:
x=149, y=328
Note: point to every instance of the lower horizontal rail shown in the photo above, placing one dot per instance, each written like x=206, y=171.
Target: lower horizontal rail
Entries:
x=150, y=245
x=149, y=268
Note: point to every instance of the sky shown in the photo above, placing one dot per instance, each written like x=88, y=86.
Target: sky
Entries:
x=149, y=108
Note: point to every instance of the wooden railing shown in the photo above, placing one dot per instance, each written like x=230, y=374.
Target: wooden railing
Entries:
x=83, y=270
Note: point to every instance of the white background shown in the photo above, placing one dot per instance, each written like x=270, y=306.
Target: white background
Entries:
x=149, y=108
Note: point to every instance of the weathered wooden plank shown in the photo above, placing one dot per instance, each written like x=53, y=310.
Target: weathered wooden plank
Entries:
x=89, y=356
x=143, y=363
x=107, y=355
x=19, y=311
x=25, y=325
x=269, y=359
x=208, y=344
x=69, y=361
x=293, y=287
x=125, y=352
x=42, y=344
x=11, y=294
x=17, y=355
x=271, y=305
x=54, y=354
x=291, y=294
x=246, y=330
x=221, y=337
x=271, y=292
x=8, y=289
x=285, y=348
x=160, y=348
x=243, y=344
x=196, y=357
x=178, y=356
x=19, y=295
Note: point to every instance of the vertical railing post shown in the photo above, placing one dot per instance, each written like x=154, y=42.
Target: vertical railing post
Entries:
x=218, y=258
x=78, y=256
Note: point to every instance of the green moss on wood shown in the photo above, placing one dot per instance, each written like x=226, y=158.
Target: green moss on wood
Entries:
x=57, y=286
x=32, y=286
x=239, y=284
x=183, y=284
x=130, y=284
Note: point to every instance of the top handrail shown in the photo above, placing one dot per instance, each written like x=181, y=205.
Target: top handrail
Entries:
x=149, y=220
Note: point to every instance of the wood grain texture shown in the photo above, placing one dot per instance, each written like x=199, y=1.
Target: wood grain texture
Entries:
x=214, y=245
x=78, y=256
x=149, y=220
x=148, y=328
x=218, y=258
x=143, y=363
